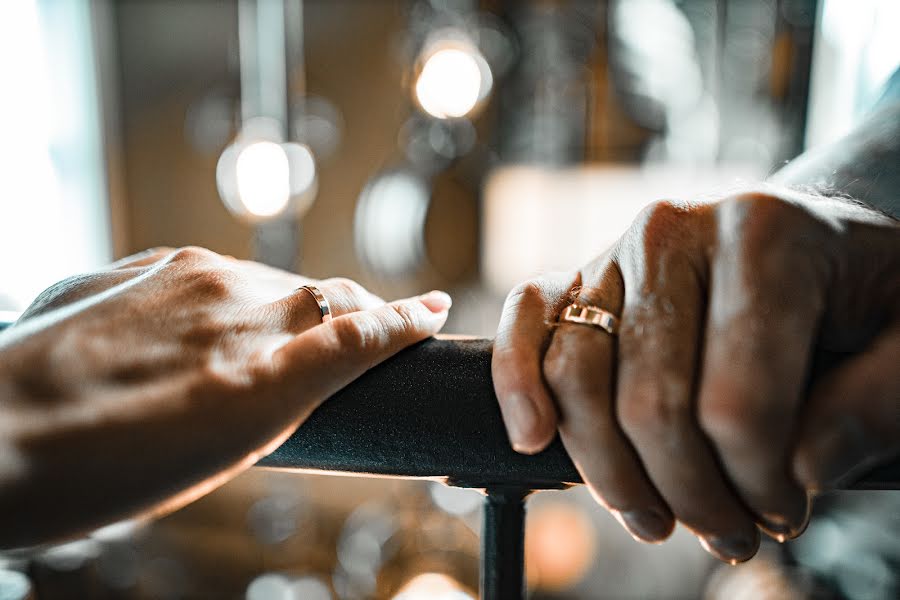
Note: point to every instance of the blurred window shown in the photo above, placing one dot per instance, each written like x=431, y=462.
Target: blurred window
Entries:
x=857, y=48
x=54, y=217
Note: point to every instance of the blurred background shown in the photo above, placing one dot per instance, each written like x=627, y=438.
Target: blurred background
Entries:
x=463, y=145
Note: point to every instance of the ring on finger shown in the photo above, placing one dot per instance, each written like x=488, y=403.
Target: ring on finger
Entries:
x=592, y=316
x=321, y=300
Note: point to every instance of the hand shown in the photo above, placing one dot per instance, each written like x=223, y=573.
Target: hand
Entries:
x=709, y=407
x=141, y=387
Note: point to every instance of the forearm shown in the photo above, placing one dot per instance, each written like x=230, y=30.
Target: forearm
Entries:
x=864, y=165
x=75, y=458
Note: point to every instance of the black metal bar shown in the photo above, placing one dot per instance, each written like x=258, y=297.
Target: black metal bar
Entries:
x=503, y=544
x=431, y=412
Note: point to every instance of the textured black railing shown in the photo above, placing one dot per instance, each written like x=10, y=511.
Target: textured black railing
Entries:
x=431, y=412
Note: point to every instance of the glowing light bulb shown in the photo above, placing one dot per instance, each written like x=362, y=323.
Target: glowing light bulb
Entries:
x=433, y=586
x=263, y=178
x=452, y=81
x=260, y=179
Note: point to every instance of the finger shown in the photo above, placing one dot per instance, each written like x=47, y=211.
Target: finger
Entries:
x=324, y=359
x=852, y=419
x=522, y=338
x=765, y=304
x=579, y=370
x=301, y=310
x=142, y=259
x=659, y=348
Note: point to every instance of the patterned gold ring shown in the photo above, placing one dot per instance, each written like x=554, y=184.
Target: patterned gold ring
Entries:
x=585, y=314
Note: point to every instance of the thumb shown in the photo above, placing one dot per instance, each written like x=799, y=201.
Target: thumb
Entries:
x=324, y=359
x=852, y=419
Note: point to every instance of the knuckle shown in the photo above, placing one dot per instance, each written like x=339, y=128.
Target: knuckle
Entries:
x=191, y=254
x=359, y=332
x=409, y=318
x=732, y=419
x=526, y=294
x=347, y=287
x=659, y=235
x=660, y=219
x=665, y=211
x=754, y=220
x=656, y=408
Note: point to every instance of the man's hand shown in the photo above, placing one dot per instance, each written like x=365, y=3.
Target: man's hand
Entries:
x=141, y=387
x=756, y=362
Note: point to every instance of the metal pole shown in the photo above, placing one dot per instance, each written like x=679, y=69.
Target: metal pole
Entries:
x=503, y=544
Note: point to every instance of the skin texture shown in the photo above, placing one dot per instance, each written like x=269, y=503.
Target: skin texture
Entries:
x=139, y=388
x=756, y=363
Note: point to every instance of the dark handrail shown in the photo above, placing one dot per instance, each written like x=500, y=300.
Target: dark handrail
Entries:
x=431, y=412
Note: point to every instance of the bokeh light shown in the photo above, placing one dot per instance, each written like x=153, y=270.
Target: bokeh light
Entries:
x=559, y=546
x=433, y=586
x=14, y=585
x=260, y=179
x=452, y=81
x=390, y=220
x=263, y=178
x=455, y=500
x=278, y=586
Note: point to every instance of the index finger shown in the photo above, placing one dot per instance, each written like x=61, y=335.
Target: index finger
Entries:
x=522, y=338
x=324, y=359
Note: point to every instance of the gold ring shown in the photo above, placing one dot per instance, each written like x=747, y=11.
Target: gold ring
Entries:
x=321, y=300
x=585, y=314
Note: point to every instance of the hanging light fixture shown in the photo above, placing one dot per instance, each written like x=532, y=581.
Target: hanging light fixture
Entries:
x=263, y=176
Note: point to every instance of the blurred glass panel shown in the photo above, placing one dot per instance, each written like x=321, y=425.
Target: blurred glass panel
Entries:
x=857, y=49
x=53, y=210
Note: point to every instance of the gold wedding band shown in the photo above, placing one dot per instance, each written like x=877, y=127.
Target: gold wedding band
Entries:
x=593, y=316
x=321, y=300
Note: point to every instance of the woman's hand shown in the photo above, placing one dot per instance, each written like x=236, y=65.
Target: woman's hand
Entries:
x=144, y=386
x=712, y=406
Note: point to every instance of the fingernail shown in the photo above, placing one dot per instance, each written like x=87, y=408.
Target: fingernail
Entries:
x=780, y=528
x=646, y=524
x=436, y=301
x=731, y=548
x=521, y=420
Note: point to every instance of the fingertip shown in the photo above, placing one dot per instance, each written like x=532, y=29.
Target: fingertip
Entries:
x=732, y=549
x=436, y=301
x=647, y=525
x=529, y=425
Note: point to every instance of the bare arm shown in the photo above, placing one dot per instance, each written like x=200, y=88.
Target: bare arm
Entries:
x=116, y=387
x=864, y=165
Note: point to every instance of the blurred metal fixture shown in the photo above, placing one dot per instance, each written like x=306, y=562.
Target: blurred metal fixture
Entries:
x=389, y=224
x=544, y=99
x=431, y=145
x=262, y=176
